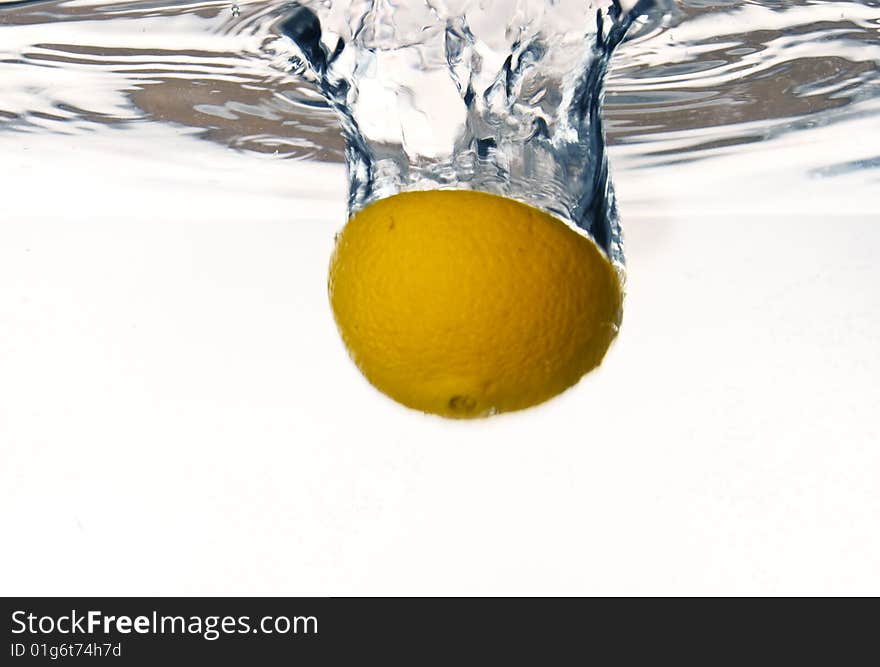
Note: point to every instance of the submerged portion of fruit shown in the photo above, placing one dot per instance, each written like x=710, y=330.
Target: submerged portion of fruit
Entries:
x=465, y=304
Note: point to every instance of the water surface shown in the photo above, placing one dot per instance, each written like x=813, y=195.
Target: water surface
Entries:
x=694, y=81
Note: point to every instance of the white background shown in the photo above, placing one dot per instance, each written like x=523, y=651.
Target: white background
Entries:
x=178, y=416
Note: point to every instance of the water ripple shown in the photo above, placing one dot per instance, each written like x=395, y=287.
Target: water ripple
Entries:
x=694, y=79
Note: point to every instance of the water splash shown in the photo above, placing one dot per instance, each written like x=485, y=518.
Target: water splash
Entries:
x=695, y=80
x=453, y=95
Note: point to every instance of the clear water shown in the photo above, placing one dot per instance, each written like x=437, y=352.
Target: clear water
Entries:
x=695, y=80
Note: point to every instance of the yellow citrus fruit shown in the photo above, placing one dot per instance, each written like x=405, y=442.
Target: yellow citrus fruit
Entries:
x=465, y=304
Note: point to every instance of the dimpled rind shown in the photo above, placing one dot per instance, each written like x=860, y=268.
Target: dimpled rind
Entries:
x=465, y=304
